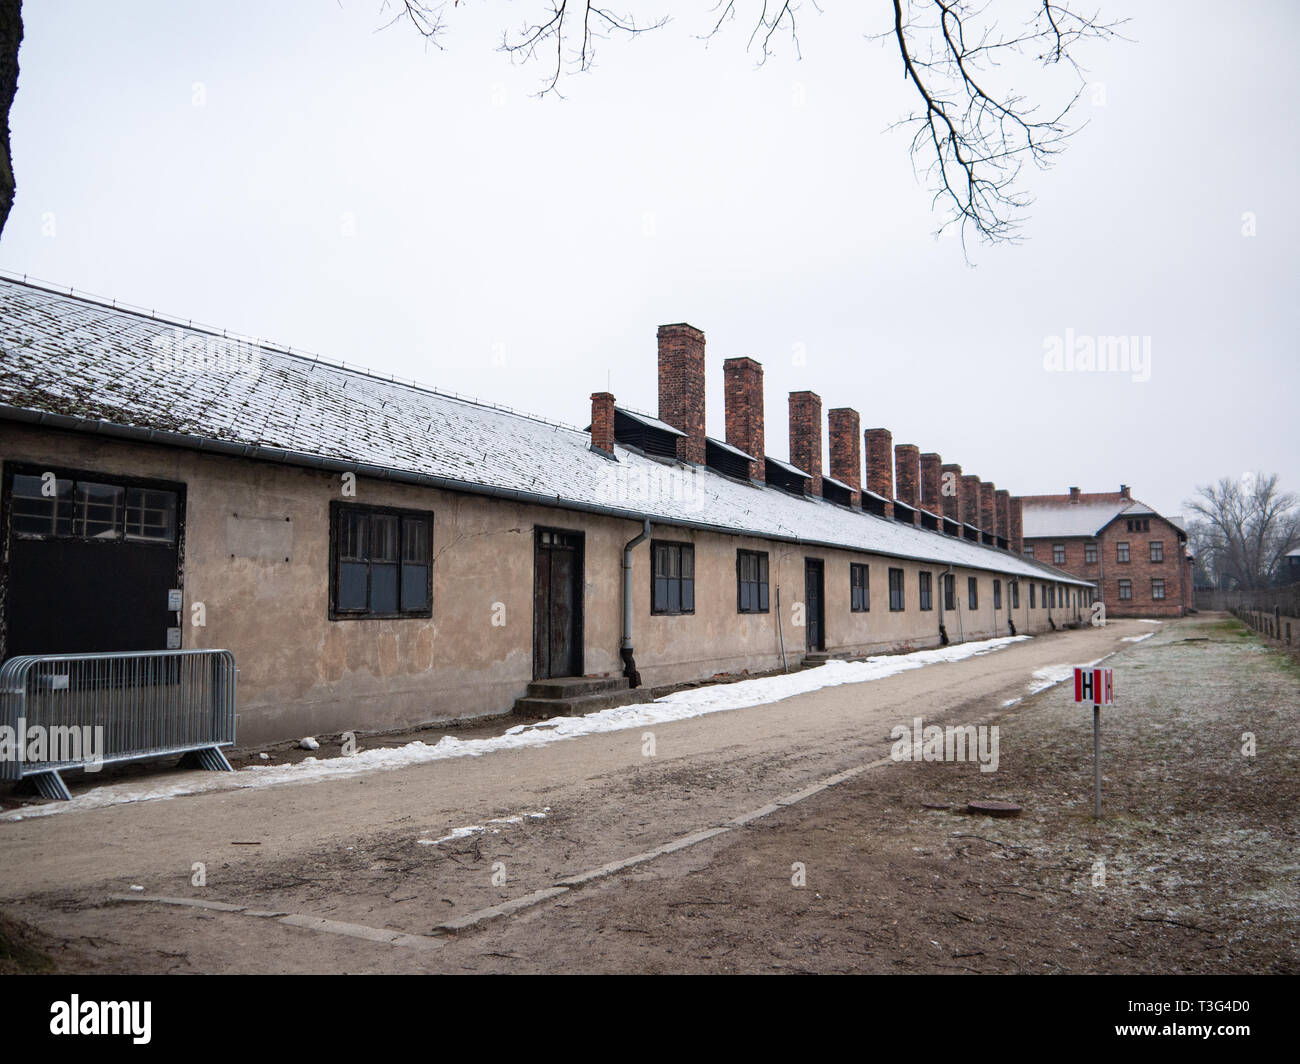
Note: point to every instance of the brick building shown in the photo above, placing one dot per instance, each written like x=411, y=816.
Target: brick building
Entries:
x=1137, y=557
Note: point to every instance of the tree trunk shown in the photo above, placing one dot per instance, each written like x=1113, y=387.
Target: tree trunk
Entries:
x=11, y=36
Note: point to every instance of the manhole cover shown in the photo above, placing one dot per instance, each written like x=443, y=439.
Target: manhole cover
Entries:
x=993, y=808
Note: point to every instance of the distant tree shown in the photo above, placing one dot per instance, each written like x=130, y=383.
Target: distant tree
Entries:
x=1243, y=530
x=973, y=130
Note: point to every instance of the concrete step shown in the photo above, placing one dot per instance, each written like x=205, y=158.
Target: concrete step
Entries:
x=577, y=705
x=575, y=686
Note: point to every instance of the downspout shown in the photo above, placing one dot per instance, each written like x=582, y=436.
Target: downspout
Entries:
x=1011, y=620
x=625, y=648
x=943, y=588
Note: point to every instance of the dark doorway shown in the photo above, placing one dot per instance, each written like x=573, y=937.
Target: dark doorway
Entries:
x=89, y=563
x=814, y=597
x=557, y=604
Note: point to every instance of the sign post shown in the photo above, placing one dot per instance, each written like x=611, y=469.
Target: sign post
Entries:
x=1098, y=687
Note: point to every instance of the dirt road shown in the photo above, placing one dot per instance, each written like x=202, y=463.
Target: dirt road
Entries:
x=350, y=852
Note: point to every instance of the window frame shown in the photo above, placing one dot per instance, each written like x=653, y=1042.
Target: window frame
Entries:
x=997, y=594
x=1058, y=553
x=925, y=590
x=949, y=587
x=1157, y=547
x=338, y=509
x=1121, y=589
x=897, y=577
x=762, y=583
x=859, y=603
x=1090, y=554
x=681, y=546
x=1123, y=553
x=1161, y=581
x=972, y=593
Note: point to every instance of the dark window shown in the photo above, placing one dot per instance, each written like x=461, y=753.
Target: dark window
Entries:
x=972, y=593
x=1125, y=590
x=673, y=580
x=1121, y=552
x=997, y=594
x=949, y=592
x=859, y=588
x=1014, y=589
x=1157, y=588
x=1058, y=553
x=895, y=589
x=751, y=581
x=1090, y=553
x=1029, y=550
x=84, y=509
x=382, y=562
x=1157, y=551
x=1051, y=597
x=1031, y=597
x=927, y=595
x=1042, y=591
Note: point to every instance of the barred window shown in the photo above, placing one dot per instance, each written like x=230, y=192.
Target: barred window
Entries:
x=1029, y=550
x=1014, y=588
x=1031, y=597
x=382, y=562
x=673, y=580
x=949, y=592
x=972, y=593
x=895, y=590
x=926, y=594
x=997, y=594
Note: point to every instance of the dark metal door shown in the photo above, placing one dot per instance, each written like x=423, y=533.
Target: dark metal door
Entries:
x=89, y=565
x=557, y=604
x=814, y=604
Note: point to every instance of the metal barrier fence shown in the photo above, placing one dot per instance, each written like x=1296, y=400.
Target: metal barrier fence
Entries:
x=1284, y=599
x=62, y=711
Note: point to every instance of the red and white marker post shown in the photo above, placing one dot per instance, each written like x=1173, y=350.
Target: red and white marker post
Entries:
x=1098, y=687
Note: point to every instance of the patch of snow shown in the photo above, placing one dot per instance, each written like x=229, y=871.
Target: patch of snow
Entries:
x=474, y=829
x=308, y=743
x=1136, y=638
x=1143, y=620
x=682, y=705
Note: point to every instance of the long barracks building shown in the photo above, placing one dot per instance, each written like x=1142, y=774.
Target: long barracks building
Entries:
x=379, y=555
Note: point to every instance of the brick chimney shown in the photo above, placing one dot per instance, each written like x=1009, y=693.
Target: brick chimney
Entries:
x=907, y=476
x=970, y=500
x=681, y=387
x=806, y=436
x=952, y=503
x=1002, y=513
x=846, y=448
x=1074, y=494
x=1124, y=492
x=1017, y=536
x=880, y=465
x=987, y=520
x=602, y=422
x=932, y=482
x=743, y=395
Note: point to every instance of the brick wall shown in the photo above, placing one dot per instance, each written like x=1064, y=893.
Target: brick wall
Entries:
x=845, y=427
x=952, y=503
x=602, y=422
x=880, y=465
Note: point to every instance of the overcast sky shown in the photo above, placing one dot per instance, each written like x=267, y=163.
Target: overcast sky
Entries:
x=286, y=171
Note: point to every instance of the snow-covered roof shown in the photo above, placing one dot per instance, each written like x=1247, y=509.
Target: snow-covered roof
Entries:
x=792, y=470
x=73, y=362
x=725, y=447
x=651, y=422
x=837, y=483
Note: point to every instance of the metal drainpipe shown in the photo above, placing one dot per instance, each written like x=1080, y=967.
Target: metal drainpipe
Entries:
x=625, y=648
